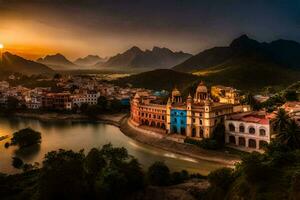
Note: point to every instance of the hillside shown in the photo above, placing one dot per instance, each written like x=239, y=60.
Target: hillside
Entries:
x=159, y=79
x=137, y=59
x=14, y=63
x=57, y=62
x=247, y=64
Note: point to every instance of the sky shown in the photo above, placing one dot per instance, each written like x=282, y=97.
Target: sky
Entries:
x=76, y=28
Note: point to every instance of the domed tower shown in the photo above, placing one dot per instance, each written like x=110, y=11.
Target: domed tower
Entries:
x=189, y=102
x=201, y=93
x=176, y=96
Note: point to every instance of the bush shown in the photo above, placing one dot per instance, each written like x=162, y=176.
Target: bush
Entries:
x=26, y=137
x=221, y=178
x=204, y=143
x=17, y=162
x=179, y=177
x=159, y=174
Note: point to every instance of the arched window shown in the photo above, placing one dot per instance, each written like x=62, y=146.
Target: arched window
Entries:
x=201, y=133
x=232, y=139
x=252, y=130
x=242, y=141
x=194, y=132
x=252, y=143
x=262, y=132
x=231, y=127
x=242, y=128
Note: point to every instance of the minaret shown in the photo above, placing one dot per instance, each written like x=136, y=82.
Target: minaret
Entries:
x=168, y=115
x=189, y=116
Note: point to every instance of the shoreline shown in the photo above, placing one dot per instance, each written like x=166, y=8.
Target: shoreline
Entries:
x=121, y=121
x=189, y=150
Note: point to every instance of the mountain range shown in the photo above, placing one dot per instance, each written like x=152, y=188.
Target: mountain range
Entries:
x=57, y=62
x=244, y=64
x=89, y=61
x=137, y=59
x=14, y=63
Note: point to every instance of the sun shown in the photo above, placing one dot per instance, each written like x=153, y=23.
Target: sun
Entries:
x=1, y=46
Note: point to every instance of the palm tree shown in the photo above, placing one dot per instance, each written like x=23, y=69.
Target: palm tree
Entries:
x=281, y=120
x=290, y=135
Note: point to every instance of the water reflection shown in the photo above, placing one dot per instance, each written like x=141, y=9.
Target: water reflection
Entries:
x=84, y=135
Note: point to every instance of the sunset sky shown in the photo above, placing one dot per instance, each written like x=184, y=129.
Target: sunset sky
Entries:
x=33, y=28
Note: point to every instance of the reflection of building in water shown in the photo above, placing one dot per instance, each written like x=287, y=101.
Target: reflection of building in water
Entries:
x=196, y=117
x=225, y=94
x=249, y=129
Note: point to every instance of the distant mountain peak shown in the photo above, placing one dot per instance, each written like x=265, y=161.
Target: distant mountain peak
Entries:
x=244, y=42
x=15, y=63
x=57, y=61
x=135, y=58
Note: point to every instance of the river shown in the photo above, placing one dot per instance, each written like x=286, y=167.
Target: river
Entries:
x=85, y=135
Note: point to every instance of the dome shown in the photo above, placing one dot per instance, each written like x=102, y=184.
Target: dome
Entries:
x=201, y=88
x=176, y=92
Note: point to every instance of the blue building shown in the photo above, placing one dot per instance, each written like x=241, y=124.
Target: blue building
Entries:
x=178, y=121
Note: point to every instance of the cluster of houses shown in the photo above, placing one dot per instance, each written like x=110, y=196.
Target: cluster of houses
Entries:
x=199, y=115
x=74, y=92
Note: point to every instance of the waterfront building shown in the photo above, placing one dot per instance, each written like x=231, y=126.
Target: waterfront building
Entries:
x=90, y=98
x=196, y=117
x=248, y=130
x=57, y=101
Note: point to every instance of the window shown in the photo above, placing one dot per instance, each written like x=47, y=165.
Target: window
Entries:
x=200, y=122
x=262, y=132
x=241, y=128
x=231, y=127
x=194, y=120
x=252, y=130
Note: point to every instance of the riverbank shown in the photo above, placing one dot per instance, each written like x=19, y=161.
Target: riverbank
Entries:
x=112, y=119
x=156, y=140
x=159, y=141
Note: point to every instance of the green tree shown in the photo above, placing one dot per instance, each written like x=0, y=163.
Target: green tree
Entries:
x=291, y=95
x=159, y=174
x=17, y=162
x=62, y=175
x=221, y=178
x=26, y=137
x=281, y=120
x=290, y=135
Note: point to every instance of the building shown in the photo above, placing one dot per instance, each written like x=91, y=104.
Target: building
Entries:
x=196, y=117
x=225, y=94
x=57, y=101
x=293, y=109
x=90, y=98
x=249, y=130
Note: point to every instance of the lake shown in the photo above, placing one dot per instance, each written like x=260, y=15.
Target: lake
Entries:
x=85, y=135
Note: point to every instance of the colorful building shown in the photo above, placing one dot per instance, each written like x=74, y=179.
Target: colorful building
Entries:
x=196, y=117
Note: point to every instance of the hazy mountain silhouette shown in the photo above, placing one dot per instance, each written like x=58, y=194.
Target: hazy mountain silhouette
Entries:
x=244, y=64
x=135, y=58
x=57, y=62
x=14, y=63
x=89, y=61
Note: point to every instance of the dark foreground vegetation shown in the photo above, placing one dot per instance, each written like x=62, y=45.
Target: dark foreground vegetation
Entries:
x=106, y=173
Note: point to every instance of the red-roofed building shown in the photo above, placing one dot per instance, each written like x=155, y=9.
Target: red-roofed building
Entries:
x=249, y=130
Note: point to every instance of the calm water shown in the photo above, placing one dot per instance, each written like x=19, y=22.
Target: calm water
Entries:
x=79, y=135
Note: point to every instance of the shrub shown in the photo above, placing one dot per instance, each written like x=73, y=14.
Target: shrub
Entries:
x=221, y=178
x=26, y=137
x=17, y=162
x=159, y=174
